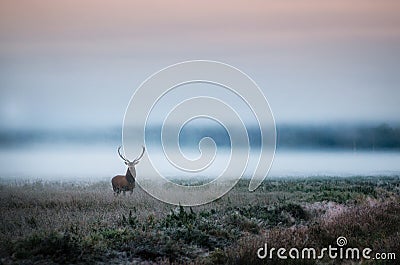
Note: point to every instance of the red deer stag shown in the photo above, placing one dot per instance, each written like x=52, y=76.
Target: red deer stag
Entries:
x=126, y=182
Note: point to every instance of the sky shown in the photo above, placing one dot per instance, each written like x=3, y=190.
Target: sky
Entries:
x=67, y=64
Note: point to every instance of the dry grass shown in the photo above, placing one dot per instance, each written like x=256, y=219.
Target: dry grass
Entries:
x=374, y=225
x=48, y=222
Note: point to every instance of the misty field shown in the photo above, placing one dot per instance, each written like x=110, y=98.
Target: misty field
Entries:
x=84, y=223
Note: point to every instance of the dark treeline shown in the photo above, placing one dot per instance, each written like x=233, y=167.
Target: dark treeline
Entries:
x=343, y=137
x=351, y=137
x=379, y=137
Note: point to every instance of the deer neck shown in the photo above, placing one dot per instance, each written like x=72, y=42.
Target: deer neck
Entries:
x=130, y=174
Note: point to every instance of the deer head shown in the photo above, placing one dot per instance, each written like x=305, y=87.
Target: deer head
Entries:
x=134, y=162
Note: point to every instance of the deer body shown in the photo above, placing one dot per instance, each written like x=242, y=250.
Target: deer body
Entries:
x=123, y=183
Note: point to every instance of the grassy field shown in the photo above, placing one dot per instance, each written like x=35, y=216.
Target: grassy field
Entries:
x=50, y=222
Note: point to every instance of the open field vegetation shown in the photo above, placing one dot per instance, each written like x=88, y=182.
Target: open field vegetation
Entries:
x=54, y=222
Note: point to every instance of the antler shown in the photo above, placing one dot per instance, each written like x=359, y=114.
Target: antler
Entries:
x=141, y=155
x=119, y=153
